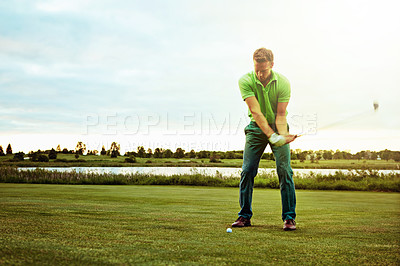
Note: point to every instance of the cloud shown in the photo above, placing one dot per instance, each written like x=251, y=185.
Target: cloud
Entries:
x=57, y=6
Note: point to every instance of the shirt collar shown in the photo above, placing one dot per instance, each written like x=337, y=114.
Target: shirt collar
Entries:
x=273, y=78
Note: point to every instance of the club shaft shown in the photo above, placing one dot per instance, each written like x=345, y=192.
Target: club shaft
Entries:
x=344, y=121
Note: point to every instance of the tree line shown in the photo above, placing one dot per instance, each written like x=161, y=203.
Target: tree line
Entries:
x=215, y=156
x=345, y=155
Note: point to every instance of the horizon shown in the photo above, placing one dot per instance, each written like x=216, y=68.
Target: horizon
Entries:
x=207, y=145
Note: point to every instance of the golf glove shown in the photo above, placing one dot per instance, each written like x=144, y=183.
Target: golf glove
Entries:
x=277, y=140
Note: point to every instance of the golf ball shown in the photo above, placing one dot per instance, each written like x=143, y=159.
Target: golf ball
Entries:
x=229, y=230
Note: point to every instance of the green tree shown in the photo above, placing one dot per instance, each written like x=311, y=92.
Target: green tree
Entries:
x=327, y=155
x=318, y=155
x=312, y=157
x=158, y=153
x=114, y=150
x=168, y=153
x=43, y=158
x=1, y=151
x=141, y=152
x=230, y=155
x=192, y=154
x=360, y=155
x=179, y=153
x=347, y=155
x=302, y=156
x=239, y=155
x=9, y=149
x=268, y=156
x=385, y=155
x=203, y=154
x=214, y=158
x=338, y=155
x=19, y=156
x=53, y=154
x=293, y=155
x=80, y=148
x=34, y=156
x=396, y=156
x=149, y=153
x=103, y=151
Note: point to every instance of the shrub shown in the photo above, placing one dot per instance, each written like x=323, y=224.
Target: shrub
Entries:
x=239, y=156
x=52, y=154
x=43, y=158
x=230, y=155
x=114, y=154
x=34, y=157
x=103, y=151
x=19, y=156
x=338, y=181
x=214, y=158
x=131, y=159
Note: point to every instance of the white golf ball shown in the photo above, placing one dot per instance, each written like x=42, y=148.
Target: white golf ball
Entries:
x=229, y=230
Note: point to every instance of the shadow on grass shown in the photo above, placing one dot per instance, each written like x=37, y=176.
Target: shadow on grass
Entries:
x=267, y=227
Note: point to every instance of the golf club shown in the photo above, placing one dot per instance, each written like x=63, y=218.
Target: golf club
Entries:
x=346, y=120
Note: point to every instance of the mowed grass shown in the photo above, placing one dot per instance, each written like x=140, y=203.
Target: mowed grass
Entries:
x=79, y=224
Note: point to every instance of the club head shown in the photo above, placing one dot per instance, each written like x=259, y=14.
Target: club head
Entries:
x=376, y=106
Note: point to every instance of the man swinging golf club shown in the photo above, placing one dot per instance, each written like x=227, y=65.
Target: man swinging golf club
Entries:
x=267, y=95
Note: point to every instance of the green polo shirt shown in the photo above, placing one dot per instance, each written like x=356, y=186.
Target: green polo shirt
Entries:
x=276, y=91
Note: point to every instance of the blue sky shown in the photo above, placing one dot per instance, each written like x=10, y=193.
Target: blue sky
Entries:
x=165, y=72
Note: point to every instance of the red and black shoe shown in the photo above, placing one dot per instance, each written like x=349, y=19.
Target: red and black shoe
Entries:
x=241, y=222
x=289, y=225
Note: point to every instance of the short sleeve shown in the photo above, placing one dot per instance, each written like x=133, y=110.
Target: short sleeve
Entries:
x=284, y=91
x=245, y=87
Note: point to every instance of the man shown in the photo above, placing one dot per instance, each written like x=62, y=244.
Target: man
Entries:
x=266, y=94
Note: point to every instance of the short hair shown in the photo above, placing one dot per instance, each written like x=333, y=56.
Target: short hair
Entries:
x=263, y=55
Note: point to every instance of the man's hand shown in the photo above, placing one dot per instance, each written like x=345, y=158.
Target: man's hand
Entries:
x=290, y=138
x=279, y=140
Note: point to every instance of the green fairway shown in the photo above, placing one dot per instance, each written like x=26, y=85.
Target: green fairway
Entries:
x=67, y=224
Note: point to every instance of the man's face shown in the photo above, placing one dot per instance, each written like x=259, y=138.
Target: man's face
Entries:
x=263, y=70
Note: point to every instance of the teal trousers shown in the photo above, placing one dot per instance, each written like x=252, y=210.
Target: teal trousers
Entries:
x=256, y=142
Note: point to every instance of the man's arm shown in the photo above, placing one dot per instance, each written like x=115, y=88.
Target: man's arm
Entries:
x=281, y=122
x=262, y=122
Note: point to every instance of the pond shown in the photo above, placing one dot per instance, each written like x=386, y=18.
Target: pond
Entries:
x=167, y=171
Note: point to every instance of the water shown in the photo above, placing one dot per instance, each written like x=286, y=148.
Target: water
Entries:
x=167, y=171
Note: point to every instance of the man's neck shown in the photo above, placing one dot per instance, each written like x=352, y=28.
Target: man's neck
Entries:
x=266, y=81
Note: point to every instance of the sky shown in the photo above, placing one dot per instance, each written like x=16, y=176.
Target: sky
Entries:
x=165, y=73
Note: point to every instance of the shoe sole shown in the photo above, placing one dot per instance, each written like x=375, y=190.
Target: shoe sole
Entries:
x=246, y=225
x=289, y=229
